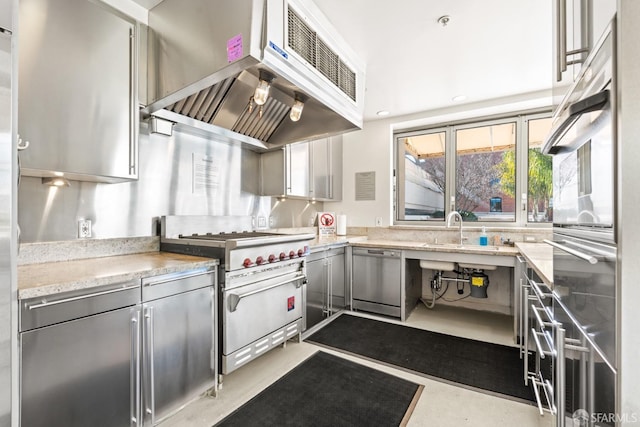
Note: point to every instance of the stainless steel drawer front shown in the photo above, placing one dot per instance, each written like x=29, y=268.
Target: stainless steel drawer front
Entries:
x=175, y=283
x=44, y=311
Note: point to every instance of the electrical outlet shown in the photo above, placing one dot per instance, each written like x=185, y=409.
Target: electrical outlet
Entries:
x=262, y=222
x=378, y=221
x=84, y=228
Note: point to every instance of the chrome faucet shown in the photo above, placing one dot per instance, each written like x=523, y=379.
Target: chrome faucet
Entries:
x=453, y=214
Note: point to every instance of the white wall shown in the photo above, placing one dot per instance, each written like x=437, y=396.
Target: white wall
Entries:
x=371, y=149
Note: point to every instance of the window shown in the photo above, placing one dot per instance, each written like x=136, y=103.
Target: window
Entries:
x=425, y=176
x=482, y=154
x=476, y=168
x=539, y=179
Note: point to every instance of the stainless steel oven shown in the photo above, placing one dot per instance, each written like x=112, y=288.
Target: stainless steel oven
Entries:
x=260, y=309
x=582, y=142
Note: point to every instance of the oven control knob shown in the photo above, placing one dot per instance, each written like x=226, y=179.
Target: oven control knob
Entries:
x=272, y=258
x=259, y=260
x=282, y=256
x=292, y=254
x=300, y=252
x=247, y=262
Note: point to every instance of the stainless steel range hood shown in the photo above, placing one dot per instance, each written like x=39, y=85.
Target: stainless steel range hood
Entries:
x=207, y=57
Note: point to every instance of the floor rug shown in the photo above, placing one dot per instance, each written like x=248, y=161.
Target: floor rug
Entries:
x=476, y=364
x=326, y=390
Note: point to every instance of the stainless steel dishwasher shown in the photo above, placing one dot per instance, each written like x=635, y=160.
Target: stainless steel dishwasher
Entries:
x=179, y=350
x=376, y=281
x=79, y=358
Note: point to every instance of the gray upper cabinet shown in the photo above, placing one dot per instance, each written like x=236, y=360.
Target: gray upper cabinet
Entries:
x=309, y=170
x=78, y=99
x=578, y=25
x=326, y=168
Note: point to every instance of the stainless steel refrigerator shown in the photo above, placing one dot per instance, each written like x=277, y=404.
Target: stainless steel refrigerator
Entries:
x=8, y=190
x=585, y=253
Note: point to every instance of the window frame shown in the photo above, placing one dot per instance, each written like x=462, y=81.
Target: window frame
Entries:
x=521, y=120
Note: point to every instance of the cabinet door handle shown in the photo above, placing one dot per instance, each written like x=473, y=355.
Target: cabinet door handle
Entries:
x=560, y=378
x=135, y=370
x=45, y=303
x=150, y=409
x=525, y=332
x=561, y=43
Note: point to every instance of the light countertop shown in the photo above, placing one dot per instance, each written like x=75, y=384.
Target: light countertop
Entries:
x=435, y=247
x=325, y=241
x=539, y=256
x=35, y=280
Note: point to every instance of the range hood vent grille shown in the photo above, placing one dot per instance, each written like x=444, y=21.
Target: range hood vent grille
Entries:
x=261, y=125
x=306, y=43
x=203, y=105
x=258, y=122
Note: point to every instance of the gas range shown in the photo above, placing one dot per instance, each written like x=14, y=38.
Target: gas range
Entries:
x=203, y=236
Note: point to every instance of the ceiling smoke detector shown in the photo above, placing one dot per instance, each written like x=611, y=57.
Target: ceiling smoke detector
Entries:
x=444, y=20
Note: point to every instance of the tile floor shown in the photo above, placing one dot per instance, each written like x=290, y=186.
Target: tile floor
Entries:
x=440, y=404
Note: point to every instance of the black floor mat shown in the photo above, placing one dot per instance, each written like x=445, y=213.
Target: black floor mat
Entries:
x=326, y=390
x=493, y=367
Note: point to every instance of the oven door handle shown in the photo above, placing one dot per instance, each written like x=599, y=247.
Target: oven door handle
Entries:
x=572, y=113
x=590, y=259
x=234, y=299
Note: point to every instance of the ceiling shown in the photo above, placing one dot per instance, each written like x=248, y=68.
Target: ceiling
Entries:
x=489, y=49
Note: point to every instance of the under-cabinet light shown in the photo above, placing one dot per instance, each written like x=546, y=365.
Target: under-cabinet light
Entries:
x=57, y=181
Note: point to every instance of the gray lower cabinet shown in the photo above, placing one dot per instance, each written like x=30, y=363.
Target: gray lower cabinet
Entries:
x=376, y=283
x=127, y=354
x=325, y=289
x=179, y=357
x=79, y=359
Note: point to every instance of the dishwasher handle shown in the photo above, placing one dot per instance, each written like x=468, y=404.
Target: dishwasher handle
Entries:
x=376, y=253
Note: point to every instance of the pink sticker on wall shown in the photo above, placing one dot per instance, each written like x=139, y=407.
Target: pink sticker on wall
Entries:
x=234, y=48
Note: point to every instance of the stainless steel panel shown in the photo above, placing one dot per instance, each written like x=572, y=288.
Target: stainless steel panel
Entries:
x=44, y=311
x=79, y=373
x=376, y=276
x=6, y=15
x=242, y=356
x=587, y=290
x=325, y=289
x=78, y=90
x=170, y=284
x=178, y=348
x=8, y=204
x=337, y=281
x=165, y=187
x=316, y=292
x=260, y=310
x=584, y=380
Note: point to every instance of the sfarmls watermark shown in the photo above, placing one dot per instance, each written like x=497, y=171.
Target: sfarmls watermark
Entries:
x=583, y=418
